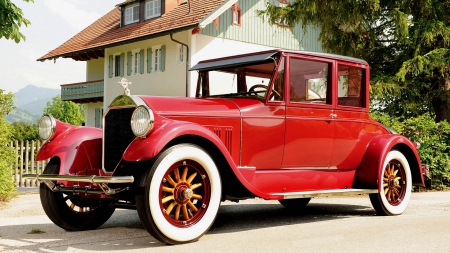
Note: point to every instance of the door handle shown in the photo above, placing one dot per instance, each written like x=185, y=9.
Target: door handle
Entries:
x=333, y=115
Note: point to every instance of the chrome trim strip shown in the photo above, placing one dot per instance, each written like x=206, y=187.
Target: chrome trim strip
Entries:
x=85, y=179
x=246, y=168
x=122, y=101
x=325, y=193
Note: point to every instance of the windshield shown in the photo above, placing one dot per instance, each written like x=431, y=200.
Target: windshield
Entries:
x=237, y=81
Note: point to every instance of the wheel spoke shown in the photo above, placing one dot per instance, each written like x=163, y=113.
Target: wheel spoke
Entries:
x=193, y=208
x=396, y=193
x=392, y=169
x=189, y=180
x=185, y=212
x=386, y=174
x=167, y=199
x=385, y=185
x=176, y=172
x=386, y=191
x=177, y=212
x=185, y=171
x=167, y=189
x=395, y=173
x=196, y=196
x=170, y=208
x=170, y=180
x=195, y=186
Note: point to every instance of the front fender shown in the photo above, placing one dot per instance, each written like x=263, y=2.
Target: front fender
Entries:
x=142, y=149
x=78, y=148
x=370, y=168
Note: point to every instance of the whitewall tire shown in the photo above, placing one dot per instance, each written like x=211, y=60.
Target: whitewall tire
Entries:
x=395, y=185
x=182, y=195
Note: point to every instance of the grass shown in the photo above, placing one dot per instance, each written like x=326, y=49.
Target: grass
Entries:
x=36, y=231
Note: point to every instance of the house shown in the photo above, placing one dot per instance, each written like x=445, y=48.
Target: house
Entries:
x=153, y=43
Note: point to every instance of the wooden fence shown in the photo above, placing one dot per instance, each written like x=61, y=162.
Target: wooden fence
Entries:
x=25, y=162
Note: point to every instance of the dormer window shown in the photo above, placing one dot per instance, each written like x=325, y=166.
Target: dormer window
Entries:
x=132, y=14
x=152, y=9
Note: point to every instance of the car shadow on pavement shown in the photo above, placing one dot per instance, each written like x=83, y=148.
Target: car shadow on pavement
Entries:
x=123, y=231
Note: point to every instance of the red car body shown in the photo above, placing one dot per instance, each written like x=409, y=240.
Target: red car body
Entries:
x=290, y=145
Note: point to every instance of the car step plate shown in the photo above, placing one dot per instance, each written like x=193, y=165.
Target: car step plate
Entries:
x=324, y=193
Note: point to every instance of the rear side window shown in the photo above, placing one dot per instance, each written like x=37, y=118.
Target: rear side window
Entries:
x=310, y=81
x=351, y=86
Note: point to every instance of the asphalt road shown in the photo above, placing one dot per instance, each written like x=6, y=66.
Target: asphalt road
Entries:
x=325, y=225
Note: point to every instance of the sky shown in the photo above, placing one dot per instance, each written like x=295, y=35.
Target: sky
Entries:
x=53, y=22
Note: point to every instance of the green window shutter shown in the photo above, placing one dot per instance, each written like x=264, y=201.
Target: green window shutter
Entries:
x=111, y=66
x=129, y=58
x=141, y=57
x=98, y=117
x=149, y=60
x=122, y=58
x=163, y=58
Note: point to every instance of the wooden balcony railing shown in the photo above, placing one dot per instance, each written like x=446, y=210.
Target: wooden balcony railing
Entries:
x=86, y=92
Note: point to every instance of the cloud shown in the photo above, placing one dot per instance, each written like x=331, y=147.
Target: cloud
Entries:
x=74, y=16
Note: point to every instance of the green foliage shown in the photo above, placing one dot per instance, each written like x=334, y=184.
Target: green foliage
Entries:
x=6, y=152
x=24, y=132
x=434, y=139
x=405, y=42
x=11, y=19
x=66, y=111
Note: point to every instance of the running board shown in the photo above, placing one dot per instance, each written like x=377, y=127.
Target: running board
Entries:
x=324, y=193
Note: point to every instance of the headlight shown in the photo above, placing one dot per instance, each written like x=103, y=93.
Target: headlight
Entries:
x=142, y=121
x=47, y=127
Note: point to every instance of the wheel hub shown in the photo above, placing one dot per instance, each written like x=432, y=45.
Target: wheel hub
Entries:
x=182, y=193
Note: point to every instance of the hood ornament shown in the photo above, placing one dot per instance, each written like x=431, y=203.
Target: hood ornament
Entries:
x=124, y=83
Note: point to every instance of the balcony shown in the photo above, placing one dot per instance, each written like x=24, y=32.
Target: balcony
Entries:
x=87, y=92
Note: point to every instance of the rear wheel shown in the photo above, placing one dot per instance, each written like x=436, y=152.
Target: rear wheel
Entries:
x=69, y=211
x=182, y=195
x=294, y=203
x=395, y=185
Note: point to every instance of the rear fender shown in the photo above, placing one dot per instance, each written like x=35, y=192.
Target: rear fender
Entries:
x=78, y=148
x=370, y=168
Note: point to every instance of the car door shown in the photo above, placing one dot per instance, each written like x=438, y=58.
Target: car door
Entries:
x=309, y=113
x=352, y=128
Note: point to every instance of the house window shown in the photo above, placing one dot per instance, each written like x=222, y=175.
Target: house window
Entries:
x=132, y=14
x=152, y=9
x=116, y=65
x=136, y=62
x=157, y=59
x=235, y=15
x=159, y=55
x=180, y=54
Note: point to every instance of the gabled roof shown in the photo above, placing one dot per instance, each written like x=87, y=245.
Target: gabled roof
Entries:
x=105, y=32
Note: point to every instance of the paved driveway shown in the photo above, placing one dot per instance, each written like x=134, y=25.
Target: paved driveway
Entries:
x=326, y=225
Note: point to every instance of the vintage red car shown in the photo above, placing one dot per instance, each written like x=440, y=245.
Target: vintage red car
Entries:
x=278, y=125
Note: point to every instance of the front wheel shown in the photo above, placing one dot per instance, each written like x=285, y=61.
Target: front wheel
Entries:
x=395, y=185
x=182, y=195
x=69, y=211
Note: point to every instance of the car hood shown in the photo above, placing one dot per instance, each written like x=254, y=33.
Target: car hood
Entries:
x=201, y=107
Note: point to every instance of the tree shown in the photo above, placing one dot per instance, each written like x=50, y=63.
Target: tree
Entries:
x=6, y=152
x=405, y=42
x=66, y=111
x=11, y=19
x=22, y=131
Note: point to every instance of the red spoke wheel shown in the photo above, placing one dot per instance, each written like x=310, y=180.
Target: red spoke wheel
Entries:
x=394, y=184
x=182, y=195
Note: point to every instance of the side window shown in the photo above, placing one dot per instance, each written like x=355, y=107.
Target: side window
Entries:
x=310, y=81
x=278, y=85
x=350, y=86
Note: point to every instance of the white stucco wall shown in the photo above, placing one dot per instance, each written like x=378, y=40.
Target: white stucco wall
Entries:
x=171, y=82
x=90, y=113
x=94, y=69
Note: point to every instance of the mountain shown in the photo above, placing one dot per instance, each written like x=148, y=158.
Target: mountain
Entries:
x=30, y=103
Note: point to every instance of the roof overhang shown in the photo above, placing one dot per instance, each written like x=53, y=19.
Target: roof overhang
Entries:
x=234, y=61
x=216, y=13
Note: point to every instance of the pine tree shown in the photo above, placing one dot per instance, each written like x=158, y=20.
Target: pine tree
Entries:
x=405, y=42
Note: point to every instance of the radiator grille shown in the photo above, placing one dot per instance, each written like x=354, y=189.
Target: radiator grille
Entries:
x=117, y=136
